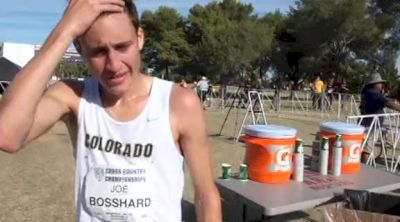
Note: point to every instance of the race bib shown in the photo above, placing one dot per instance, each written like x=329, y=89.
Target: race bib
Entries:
x=118, y=194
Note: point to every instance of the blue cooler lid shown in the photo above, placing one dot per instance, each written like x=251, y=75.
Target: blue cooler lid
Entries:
x=270, y=131
x=341, y=128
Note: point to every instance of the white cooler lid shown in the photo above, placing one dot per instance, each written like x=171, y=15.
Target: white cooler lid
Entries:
x=270, y=131
x=341, y=128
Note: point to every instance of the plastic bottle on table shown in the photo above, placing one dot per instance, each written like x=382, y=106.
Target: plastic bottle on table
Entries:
x=337, y=156
x=323, y=156
x=298, y=160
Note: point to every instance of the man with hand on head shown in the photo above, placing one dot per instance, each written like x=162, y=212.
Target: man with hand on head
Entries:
x=132, y=132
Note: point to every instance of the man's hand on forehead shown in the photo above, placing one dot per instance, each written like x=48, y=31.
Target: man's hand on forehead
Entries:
x=80, y=14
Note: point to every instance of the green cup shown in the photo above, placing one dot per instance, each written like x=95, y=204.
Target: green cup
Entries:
x=226, y=171
x=244, y=175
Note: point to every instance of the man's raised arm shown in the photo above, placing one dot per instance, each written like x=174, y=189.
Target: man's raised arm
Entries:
x=19, y=107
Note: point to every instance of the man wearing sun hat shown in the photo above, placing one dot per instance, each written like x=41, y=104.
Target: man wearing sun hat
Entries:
x=373, y=101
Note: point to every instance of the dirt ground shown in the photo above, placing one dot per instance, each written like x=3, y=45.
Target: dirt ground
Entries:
x=37, y=183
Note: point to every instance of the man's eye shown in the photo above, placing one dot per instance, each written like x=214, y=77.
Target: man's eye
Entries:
x=98, y=52
x=122, y=47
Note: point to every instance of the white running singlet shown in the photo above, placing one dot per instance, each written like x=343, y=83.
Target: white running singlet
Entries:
x=127, y=171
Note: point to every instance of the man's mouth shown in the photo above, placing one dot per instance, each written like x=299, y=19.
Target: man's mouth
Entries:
x=116, y=79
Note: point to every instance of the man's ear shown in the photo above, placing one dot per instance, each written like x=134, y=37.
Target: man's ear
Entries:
x=140, y=37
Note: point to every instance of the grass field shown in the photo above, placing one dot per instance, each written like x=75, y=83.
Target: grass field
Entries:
x=37, y=183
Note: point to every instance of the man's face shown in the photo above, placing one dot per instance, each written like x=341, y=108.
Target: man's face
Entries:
x=111, y=47
x=379, y=86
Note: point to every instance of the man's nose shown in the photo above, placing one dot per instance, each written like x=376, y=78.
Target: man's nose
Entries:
x=113, y=62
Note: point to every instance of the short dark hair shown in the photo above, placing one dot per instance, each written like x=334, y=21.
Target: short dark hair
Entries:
x=131, y=10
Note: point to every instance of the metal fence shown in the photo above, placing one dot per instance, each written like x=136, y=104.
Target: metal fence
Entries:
x=381, y=139
x=295, y=103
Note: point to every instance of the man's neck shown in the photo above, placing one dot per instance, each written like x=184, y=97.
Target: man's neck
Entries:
x=140, y=86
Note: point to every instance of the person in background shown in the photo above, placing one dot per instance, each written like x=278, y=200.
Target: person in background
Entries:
x=183, y=84
x=194, y=87
x=202, y=87
x=373, y=101
x=277, y=97
x=224, y=80
x=210, y=92
x=317, y=88
x=395, y=92
x=330, y=90
x=343, y=88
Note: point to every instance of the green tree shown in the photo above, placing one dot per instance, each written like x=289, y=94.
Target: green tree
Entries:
x=387, y=17
x=165, y=46
x=71, y=71
x=226, y=37
x=327, y=36
x=276, y=21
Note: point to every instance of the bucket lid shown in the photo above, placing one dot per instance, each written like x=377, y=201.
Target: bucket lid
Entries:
x=270, y=131
x=341, y=128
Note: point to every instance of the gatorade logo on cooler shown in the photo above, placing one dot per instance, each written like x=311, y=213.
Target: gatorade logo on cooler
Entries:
x=281, y=161
x=354, y=152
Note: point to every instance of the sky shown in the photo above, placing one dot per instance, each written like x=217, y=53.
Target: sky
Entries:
x=30, y=21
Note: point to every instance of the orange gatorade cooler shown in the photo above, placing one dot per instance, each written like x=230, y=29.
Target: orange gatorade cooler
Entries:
x=269, y=151
x=352, y=137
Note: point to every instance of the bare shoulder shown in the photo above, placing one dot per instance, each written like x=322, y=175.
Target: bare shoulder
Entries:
x=184, y=100
x=67, y=92
x=186, y=110
x=67, y=86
